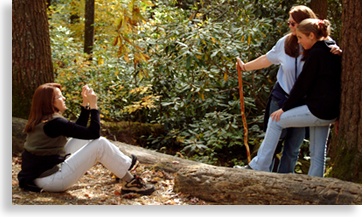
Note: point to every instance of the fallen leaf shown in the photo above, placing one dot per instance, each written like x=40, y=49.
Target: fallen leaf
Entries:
x=89, y=195
x=114, y=202
x=170, y=202
x=130, y=196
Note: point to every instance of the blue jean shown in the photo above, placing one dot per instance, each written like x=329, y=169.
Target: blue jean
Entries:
x=296, y=117
x=293, y=138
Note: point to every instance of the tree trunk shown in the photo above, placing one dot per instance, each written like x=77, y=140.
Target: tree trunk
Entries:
x=319, y=7
x=89, y=27
x=249, y=187
x=31, y=60
x=346, y=147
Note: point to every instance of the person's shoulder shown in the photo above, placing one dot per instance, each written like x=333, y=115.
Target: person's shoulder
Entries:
x=281, y=41
x=57, y=119
x=277, y=50
x=55, y=125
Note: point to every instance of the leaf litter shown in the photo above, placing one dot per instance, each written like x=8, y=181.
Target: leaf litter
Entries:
x=98, y=186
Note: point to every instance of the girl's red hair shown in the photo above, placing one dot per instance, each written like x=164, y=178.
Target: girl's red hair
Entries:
x=42, y=108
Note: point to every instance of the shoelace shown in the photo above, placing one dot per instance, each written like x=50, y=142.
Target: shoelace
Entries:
x=140, y=181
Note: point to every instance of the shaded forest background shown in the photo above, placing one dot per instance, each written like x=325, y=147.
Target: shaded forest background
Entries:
x=165, y=74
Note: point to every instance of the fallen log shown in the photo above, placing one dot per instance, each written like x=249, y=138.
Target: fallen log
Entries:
x=249, y=187
x=158, y=160
x=224, y=185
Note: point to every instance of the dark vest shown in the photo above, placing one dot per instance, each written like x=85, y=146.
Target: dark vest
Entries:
x=38, y=143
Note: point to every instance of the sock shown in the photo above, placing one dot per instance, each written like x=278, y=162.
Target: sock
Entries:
x=128, y=177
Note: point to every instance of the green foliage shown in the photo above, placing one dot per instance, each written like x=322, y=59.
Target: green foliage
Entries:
x=193, y=56
x=174, y=65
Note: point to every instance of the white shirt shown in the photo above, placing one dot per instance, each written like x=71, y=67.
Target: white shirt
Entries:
x=286, y=73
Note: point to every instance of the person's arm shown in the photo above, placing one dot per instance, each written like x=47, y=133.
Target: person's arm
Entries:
x=259, y=63
x=89, y=101
x=304, y=81
x=336, y=50
x=271, y=57
x=83, y=117
x=84, y=114
x=63, y=127
x=300, y=87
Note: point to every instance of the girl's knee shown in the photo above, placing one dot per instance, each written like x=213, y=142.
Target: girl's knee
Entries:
x=104, y=141
x=275, y=125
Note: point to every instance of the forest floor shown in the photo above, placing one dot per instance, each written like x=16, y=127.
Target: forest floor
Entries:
x=99, y=187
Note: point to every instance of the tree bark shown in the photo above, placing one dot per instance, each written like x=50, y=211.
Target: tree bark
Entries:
x=31, y=53
x=89, y=27
x=319, y=7
x=346, y=147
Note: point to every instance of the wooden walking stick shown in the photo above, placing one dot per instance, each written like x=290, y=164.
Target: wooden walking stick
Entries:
x=238, y=67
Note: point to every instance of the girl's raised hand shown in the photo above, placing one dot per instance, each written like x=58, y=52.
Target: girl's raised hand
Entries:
x=92, y=99
x=84, y=93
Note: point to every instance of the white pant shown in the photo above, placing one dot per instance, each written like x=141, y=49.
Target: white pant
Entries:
x=85, y=154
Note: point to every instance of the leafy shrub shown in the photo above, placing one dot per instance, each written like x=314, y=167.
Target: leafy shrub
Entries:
x=189, y=83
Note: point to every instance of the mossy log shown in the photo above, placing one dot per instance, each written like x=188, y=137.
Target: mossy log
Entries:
x=224, y=185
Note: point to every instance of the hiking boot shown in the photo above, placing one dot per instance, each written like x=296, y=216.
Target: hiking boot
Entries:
x=137, y=185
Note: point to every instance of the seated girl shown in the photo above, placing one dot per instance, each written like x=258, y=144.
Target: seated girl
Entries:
x=52, y=162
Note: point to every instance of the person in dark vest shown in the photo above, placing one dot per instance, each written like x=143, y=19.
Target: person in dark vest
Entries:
x=57, y=152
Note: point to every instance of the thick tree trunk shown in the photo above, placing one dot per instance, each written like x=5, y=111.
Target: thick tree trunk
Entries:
x=31, y=60
x=89, y=27
x=319, y=7
x=224, y=185
x=346, y=147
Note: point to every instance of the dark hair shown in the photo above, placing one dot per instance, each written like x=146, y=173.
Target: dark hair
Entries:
x=298, y=13
x=42, y=107
x=320, y=28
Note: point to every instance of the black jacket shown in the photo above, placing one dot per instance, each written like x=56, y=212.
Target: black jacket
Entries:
x=319, y=84
x=33, y=166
